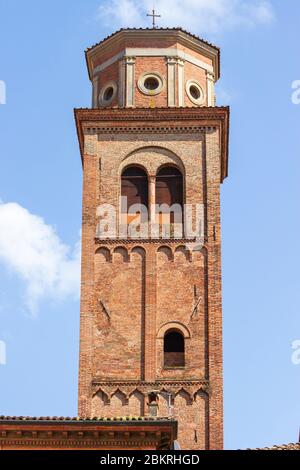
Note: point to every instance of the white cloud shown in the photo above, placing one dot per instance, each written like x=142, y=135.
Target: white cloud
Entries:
x=202, y=16
x=32, y=249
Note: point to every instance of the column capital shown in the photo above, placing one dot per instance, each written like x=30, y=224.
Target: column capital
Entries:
x=173, y=60
x=210, y=75
x=129, y=59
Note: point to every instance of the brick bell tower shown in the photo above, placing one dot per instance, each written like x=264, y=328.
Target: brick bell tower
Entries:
x=151, y=320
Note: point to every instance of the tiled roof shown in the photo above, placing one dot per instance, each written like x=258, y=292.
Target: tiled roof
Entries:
x=282, y=447
x=77, y=419
x=137, y=108
x=151, y=29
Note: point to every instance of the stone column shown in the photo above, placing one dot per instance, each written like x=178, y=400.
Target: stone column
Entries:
x=175, y=81
x=210, y=80
x=122, y=83
x=130, y=75
x=171, y=64
x=180, y=74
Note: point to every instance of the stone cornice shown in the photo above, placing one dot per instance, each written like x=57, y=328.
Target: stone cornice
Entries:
x=147, y=120
x=88, y=434
x=173, y=55
x=79, y=443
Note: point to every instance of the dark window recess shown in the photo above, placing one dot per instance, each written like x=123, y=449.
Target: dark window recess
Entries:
x=169, y=189
x=134, y=187
x=195, y=92
x=108, y=94
x=173, y=349
x=151, y=83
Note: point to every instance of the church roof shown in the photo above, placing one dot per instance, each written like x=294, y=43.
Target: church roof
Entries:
x=67, y=433
x=14, y=419
x=295, y=446
x=152, y=29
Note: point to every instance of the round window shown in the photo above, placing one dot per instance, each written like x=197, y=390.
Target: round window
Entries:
x=195, y=92
x=150, y=83
x=107, y=94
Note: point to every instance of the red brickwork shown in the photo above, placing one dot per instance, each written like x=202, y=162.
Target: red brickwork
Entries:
x=134, y=291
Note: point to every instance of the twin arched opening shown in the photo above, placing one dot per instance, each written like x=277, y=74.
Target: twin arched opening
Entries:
x=137, y=193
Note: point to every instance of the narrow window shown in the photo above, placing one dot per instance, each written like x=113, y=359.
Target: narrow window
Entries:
x=174, y=349
x=169, y=192
x=134, y=187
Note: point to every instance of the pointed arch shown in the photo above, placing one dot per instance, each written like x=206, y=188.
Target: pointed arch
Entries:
x=183, y=396
x=136, y=403
x=120, y=396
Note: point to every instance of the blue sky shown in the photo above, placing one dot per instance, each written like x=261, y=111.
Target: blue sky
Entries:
x=42, y=65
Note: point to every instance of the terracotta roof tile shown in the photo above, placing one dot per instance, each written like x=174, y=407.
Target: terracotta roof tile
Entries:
x=282, y=447
x=94, y=419
x=151, y=29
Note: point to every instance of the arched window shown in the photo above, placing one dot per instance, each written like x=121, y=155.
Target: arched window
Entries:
x=169, y=191
x=134, y=186
x=173, y=349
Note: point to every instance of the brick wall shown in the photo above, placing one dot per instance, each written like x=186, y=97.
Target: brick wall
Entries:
x=132, y=292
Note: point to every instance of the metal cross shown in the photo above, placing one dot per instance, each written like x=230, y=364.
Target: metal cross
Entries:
x=154, y=16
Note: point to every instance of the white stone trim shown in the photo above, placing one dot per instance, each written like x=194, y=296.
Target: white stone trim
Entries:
x=171, y=65
x=130, y=76
x=210, y=80
x=154, y=52
x=109, y=62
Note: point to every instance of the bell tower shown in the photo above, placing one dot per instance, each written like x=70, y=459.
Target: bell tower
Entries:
x=154, y=150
